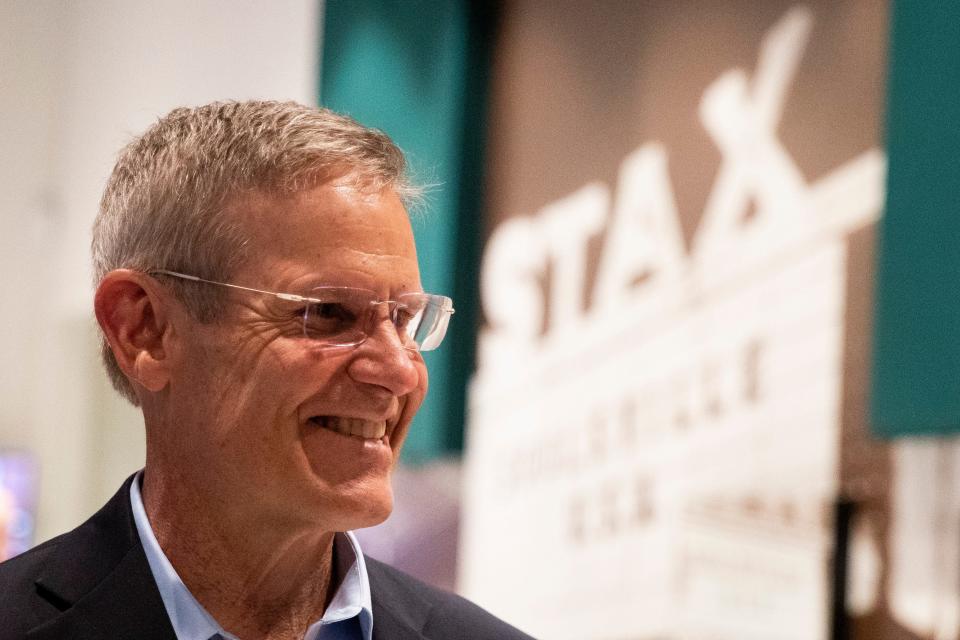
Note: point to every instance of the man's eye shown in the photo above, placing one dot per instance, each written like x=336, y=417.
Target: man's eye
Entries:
x=327, y=319
x=340, y=322
x=330, y=312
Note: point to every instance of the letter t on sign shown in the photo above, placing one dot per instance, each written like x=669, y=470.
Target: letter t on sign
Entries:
x=568, y=225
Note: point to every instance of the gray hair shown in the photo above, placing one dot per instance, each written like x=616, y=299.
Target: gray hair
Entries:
x=164, y=205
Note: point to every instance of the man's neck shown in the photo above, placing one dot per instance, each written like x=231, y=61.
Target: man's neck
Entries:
x=258, y=580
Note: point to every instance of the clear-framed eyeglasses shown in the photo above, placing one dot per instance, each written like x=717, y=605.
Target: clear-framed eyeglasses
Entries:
x=345, y=316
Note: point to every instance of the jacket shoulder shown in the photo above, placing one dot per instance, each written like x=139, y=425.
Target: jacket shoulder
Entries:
x=447, y=615
x=42, y=583
x=26, y=565
x=20, y=608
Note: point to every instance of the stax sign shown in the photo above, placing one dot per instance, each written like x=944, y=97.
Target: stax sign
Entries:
x=668, y=451
x=643, y=236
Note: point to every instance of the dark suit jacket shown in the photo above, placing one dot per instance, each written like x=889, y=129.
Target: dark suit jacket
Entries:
x=94, y=583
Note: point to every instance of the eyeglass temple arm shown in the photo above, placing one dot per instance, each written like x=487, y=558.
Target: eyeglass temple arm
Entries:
x=283, y=296
x=292, y=297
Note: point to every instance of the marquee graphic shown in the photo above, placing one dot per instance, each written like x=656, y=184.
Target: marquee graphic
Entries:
x=667, y=444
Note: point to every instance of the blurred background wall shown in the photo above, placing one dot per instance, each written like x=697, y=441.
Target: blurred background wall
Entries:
x=702, y=382
x=78, y=80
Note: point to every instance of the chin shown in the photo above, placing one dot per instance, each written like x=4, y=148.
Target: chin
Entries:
x=368, y=509
x=370, y=520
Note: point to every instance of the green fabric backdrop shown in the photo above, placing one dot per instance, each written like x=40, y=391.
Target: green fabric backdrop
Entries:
x=916, y=378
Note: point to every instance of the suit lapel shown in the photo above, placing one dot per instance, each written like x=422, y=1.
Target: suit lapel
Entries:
x=100, y=579
x=389, y=626
x=399, y=612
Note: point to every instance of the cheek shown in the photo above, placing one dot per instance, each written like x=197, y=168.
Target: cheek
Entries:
x=240, y=388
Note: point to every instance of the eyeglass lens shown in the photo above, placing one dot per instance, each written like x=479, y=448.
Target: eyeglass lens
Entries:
x=344, y=316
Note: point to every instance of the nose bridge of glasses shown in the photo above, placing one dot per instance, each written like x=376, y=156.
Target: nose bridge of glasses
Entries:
x=390, y=311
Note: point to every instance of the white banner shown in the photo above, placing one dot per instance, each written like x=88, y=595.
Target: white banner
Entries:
x=657, y=461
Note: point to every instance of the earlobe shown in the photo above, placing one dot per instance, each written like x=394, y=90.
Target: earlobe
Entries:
x=131, y=313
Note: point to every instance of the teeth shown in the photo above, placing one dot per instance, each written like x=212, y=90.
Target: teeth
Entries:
x=368, y=429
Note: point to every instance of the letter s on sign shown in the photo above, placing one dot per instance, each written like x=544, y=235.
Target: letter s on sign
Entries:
x=511, y=288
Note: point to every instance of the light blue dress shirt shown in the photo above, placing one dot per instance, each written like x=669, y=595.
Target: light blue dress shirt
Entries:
x=348, y=617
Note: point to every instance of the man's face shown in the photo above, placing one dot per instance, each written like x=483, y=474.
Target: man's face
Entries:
x=256, y=404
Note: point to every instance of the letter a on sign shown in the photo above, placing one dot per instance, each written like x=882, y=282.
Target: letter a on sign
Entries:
x=643, y=237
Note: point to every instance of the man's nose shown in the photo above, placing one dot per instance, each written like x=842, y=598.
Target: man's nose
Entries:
x=383, y=360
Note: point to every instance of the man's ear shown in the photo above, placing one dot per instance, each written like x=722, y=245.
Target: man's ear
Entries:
x=131, y=310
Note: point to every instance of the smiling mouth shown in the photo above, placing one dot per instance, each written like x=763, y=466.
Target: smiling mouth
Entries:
x=357, y=427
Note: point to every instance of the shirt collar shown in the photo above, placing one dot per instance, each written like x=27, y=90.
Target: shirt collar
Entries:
x=192, y=622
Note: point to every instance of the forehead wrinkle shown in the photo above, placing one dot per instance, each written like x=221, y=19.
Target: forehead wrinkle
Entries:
x=370, y=252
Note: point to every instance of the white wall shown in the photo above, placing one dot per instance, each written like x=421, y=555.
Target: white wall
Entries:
x=77, y=80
